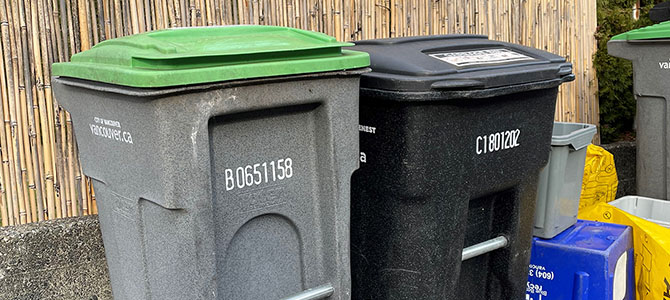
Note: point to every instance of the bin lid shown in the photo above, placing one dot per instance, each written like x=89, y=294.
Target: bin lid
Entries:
x=185, y=56
x=657, y=31
x=456, y=63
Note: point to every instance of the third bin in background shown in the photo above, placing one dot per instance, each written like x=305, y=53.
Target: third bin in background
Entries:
x=454, y=131
x=647, y=48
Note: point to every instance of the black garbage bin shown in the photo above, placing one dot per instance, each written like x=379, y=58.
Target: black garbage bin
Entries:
x=454, y=132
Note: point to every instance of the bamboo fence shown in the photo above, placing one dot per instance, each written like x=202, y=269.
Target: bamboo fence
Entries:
x=41, y=177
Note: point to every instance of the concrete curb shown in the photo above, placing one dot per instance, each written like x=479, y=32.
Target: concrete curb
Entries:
x=57, y=259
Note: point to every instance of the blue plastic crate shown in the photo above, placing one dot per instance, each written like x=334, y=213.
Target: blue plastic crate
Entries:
x=588, y=261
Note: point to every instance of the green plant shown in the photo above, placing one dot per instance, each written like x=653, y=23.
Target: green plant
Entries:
x=615, y=75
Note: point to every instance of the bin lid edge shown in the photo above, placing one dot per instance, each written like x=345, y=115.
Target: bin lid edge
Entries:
x=186, y=56
x=652, y=32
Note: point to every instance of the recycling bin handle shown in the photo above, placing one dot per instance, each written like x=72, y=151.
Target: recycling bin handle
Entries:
x=568, y=78
x=456, y=84
x=320, y=292
x=484, y=247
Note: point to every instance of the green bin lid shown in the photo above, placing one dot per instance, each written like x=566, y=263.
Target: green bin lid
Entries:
x=658, y=31
x=209, y=54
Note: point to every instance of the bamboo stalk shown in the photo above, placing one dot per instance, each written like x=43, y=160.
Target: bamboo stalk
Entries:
x=48, y=131
x=94, y=205
x=179, y=17
x=105, y=20
x=83, y=25
x=211, y=12
x=75, y=33
x=12, y=93
x=61, y=194
x=4, y=216
x=49, y=29
x=33, y=110
x=200, y=21
x=170, y=15
x=148, y=16
x=67, y=27
x=9, y=212
x=14, y=113
x=228, y=13
x=118, y=19
x=186, y=20
x=94, y=25
x=126, y=18
x=41, y=101
x=71, y=165
x=134, y=19
x=29, y=136
x=66, y=197
x=192, y=13
x=155, y=11
x=337, y=19
x=159, y=15
x=81, y=188
x=57, y=31
x=79, y=178
x=220, y=11
x=21, y=126
x=9, y=146
x=139, y=11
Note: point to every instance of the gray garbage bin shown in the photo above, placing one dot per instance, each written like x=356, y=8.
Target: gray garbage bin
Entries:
x=648, y=49
x=560, y=184
x=221, y=158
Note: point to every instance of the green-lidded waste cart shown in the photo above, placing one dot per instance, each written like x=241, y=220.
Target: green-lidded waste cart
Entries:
x=221, y=158
x=648, y=49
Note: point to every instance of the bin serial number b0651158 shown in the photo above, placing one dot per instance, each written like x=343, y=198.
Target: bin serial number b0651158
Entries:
x=497, y=141
x=256, y=174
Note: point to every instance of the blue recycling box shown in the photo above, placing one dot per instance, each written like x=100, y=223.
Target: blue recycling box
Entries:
x=588, y=261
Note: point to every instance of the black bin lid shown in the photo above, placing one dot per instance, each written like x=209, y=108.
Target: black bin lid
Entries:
x=457, y=63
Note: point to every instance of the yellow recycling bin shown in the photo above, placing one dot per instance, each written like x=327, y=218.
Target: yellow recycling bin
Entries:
x=651, y=244
x=600, y=180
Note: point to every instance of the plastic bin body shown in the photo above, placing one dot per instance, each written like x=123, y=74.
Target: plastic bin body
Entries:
x=589, y=260
x=654, y=210
x=230, y=190
x=561, y=180
x=427, y=187
x=647, y=50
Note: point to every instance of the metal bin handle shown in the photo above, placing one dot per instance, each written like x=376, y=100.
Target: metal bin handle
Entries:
x=320, y=292
x=484, y=247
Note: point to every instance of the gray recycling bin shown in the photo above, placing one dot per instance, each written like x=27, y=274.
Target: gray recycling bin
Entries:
x=221, y=158
x=647, y=48
x=560, y=184
x=653, y=210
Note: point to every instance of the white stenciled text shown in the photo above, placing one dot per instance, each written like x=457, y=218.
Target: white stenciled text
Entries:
x=258, y=173
x=498, y=141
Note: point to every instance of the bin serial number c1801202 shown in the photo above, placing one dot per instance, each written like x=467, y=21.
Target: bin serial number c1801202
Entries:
x=256, y=174
x=497, y=141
